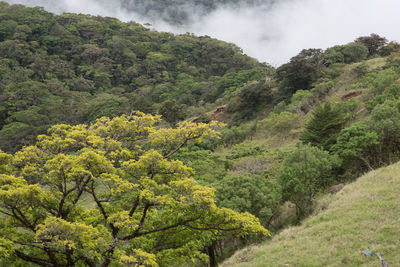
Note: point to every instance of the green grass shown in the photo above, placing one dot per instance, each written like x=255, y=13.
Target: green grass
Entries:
x=348, y=77
x=364, y=215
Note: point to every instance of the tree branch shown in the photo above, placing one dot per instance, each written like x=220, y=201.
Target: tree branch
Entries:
x=114, y=229
x=38, y=261
x=129, y=237
x=134, y=207
x=81, y=188
x=176, y=149
x=146, y=208
x=22, y=218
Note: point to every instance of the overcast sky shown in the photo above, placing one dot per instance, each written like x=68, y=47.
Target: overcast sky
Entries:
x=273, y=35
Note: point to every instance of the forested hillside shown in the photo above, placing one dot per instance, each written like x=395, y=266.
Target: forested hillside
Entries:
x=172, y=150
x=76, y=68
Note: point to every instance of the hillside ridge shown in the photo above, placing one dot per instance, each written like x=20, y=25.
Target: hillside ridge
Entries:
x=362, y=216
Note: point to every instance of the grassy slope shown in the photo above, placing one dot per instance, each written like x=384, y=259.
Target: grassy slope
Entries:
x=364, y=215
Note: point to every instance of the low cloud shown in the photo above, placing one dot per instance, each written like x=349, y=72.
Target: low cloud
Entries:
x=92, y=7
x=270, y=33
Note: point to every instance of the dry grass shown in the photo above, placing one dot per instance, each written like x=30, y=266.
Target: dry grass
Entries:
x=364, y=215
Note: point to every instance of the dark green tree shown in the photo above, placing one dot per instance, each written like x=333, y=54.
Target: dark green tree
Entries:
x=324, y=126
x=300, y=72
x=250, y=193
x=374, y=42
x=305, y=172
x=385, y=122
x=250, y=97
x=357, y=142
x=172, y=112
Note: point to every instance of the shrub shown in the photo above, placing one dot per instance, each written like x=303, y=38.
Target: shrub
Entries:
x=281, y=123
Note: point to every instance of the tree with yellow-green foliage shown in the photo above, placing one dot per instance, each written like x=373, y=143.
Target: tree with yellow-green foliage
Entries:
x=109, y=194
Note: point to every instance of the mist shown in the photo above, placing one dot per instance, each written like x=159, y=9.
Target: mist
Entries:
x=272, y=33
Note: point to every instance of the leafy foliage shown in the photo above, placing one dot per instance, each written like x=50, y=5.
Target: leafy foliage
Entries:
x=374, y=42
x=74, y=69
x=172, y=112
x=357, y=142
x=252, y=193
x=281, y=123
x=353, y=52
x=305, y=172
x=302, y=102
x=208, y=167
x=108, y=194
x=385, y=122
x=300, y=72
x=249, y=98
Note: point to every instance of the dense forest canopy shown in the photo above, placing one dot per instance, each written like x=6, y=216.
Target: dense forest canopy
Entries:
x=76, y=68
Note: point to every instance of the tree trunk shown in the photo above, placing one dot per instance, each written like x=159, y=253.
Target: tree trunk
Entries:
x=221, y=249
x=366, y=162
x=212, y=256
x=389, y=153
x=380, y=153
x=299, y=213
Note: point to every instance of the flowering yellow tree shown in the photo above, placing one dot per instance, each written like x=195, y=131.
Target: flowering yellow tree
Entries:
x=108, y=193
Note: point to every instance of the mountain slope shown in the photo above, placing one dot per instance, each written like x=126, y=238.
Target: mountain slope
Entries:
x=364, y=215
x=74, y=68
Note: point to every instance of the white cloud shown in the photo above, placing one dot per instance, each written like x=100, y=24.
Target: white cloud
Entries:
x=275, y=34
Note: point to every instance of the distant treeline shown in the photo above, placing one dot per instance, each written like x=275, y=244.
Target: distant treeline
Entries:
x=180, y=11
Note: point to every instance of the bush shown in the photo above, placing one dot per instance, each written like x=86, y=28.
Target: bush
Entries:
x=322, y=89
x=237, y=134
x=354, y=52
x=384, y=79
x=245, y=149
x=348, y=53
x=334, y=55
x=281, y=123
x=301, y=102
x=360, y=69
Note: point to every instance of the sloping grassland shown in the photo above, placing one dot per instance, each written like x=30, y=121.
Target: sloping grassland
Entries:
x=364, y=215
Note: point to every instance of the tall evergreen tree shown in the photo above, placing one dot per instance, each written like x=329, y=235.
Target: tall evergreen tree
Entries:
x=324, y=126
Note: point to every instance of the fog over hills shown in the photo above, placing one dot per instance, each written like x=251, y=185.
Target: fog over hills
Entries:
x=271, y=31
